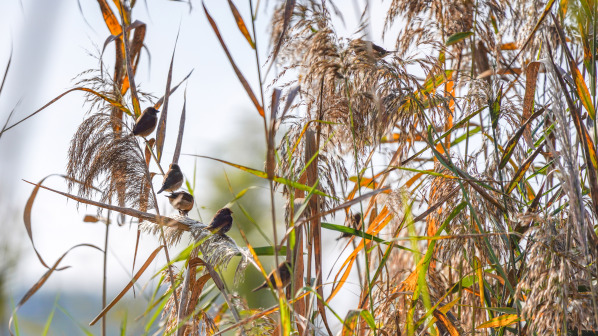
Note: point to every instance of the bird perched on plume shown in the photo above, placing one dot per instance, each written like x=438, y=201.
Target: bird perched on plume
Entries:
x=353, y=223
x=222, y=221
x=284, y=272
x=367, y=47
x=146, y=123
x=173, y=179
x=182, y=201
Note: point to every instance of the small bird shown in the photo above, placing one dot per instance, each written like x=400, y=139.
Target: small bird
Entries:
x=146, y=123
x=222, y=221
x=173, y=179
x=182, y=201
x=284, y=272
x=354, y=222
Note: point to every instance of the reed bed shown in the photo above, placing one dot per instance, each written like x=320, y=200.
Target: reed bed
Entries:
x=463, y=158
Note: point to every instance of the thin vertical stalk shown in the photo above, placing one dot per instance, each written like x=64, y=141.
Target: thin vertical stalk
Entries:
x=358, y=173
x=104, y=274
x=268, y=144
x=266, y=132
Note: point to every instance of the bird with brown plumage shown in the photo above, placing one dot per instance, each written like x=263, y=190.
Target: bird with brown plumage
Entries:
x=173, y=179
x=284, y=273
x=146, y=123
x=354, y=221
x=182, y=201
x=222, y=221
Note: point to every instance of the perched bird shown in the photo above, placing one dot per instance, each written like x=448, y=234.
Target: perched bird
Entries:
x=173, y=179
x=146, y=123
x=369, y=48
x=222, y=221
x=284, y=272
x=182, y=201
x=353, y=223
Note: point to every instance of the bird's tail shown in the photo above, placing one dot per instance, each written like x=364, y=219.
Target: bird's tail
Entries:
x=161, y=190
x=344, y=235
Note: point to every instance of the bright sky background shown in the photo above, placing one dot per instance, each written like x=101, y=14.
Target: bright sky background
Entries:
x=51, y=42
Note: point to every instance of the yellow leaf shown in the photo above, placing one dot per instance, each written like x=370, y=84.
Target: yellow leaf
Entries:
x=500, y=321
x=442, y=319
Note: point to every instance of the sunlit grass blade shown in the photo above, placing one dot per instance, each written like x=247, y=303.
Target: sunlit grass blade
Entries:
x=109, y=18
x=377, y=225
x=161, y=129
x=500, y=321
x=108, y=100
x=241, y=23
x=446, y=323
x=248, y=89
x=264, y=175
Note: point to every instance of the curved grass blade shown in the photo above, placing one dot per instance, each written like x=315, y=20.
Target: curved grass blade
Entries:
x=157, y=219
x=500, y=321
x=109, y=100
x=267, y=250
x=362, y=234
x=27, y=219
x=252, y=96
x=109, y=18
x=531, y=35
x=161, y=130
x=128, y=286
x=179, y=140
x=159, y=103
x=257, y=316
x=288, y=13
x=290, y=98
x=135, y=51
x=510, y=146
x=589, y=149
x=350, y=322
x=495, y=109
x=6, y=71
x=241, y=24
x=81, y=327
x=264, y=175
x=129, y=69
x=43, y=280
x=457, y=37
x=470, y=180
x=377, y=225
x=50, y=317
x=442, y=320
x=444, y=135
x=582, y=90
